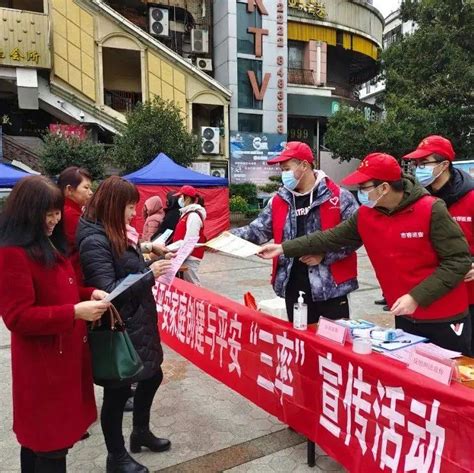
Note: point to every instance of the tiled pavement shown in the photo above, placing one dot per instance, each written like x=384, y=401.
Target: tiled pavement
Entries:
x=211, y=427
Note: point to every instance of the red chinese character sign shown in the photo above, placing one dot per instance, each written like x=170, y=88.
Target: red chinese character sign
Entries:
x=369, y=413
x=78, y=131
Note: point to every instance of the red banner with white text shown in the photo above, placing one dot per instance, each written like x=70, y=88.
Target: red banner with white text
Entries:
x=369, y=413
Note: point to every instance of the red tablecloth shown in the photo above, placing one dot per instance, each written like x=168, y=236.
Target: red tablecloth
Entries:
x=370, y=413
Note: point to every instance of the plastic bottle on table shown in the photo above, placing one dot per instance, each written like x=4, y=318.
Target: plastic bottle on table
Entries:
x=300, y=314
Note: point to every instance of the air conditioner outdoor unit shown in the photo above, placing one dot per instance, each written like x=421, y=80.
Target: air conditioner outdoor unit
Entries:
x=159, y=21
x=210, y=140
x=204, y=64
x=200, y=41
x=218, y=172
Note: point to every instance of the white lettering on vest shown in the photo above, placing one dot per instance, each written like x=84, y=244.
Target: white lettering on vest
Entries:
x=462, y=218
x=412, y=234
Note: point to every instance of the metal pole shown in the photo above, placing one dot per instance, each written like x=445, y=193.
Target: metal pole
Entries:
x=318, y=157
x=311, y=450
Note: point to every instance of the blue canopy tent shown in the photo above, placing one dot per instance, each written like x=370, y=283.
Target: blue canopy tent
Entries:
x=10, y=175
x=163, y=175
x=164, y=171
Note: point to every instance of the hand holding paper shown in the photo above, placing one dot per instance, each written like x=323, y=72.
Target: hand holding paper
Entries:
x=233, y=245
x=130, y=280
x=184, y=251
x=164, y=237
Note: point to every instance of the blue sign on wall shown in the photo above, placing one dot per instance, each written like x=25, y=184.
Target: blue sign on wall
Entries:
x=467, y=166
x=250, y=153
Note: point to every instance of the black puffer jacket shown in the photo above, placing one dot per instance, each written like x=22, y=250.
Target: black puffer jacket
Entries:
x=104, y=270
x=459, y=184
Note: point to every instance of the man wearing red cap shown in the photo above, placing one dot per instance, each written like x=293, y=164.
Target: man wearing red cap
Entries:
x=433, y=161
x=419, y=253
x=308, y=201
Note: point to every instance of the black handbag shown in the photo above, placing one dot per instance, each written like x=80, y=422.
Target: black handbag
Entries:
x=114, y=357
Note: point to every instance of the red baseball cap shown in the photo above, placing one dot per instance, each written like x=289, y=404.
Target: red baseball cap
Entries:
x=187, y=190
x=433, y=144
x=379, y=166
x=294, y=150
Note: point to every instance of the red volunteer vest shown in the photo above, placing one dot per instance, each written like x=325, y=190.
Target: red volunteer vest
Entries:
x=463, y=212
x=180, y=233
x=400, y=249
x=330, y=211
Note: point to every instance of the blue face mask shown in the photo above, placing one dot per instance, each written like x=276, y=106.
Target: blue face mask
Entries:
x=426, y=175
x=289, y=180
x=364, y=200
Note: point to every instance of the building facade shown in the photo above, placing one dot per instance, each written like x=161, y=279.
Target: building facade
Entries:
x=80, y=62
x=290, y=65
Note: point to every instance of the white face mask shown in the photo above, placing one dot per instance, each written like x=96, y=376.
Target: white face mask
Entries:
x=181, y=201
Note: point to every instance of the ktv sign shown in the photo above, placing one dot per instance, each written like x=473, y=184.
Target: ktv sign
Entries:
x=270, y=45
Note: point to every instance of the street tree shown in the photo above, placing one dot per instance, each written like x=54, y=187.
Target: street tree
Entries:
x=152, y=128
x=429, y=83
x=60, y=151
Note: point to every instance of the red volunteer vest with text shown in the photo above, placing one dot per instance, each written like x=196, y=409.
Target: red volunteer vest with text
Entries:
x=330, y=211
x=180, y=233
x=463, y=212
x=400, y=249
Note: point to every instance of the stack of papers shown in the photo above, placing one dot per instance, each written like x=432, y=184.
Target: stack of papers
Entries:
x=405, y=340
x=404, y=354
x=466, y=373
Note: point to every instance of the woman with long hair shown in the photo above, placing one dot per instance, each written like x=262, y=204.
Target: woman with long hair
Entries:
x=109, y=252
x=191, y=224
x=40, y=302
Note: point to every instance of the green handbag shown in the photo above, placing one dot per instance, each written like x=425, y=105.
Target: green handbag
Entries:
x=114, y=357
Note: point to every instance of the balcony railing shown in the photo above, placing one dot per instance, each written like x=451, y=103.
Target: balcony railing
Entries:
x=121, y=101
x=343, y=90
x=301, y=76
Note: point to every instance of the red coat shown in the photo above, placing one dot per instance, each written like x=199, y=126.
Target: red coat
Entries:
x=463, y=212
x=71, y=214
x=404, y=256
x=53, y=395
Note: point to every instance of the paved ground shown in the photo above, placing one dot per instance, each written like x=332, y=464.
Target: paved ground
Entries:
x=212, y=428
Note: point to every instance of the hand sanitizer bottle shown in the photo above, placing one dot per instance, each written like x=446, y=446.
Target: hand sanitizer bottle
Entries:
x=300, y=314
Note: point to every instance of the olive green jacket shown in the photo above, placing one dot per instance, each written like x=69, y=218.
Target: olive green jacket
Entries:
x=446, y=236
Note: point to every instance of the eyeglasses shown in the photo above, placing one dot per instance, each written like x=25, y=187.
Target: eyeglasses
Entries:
x=426, y=163
x=367, y=187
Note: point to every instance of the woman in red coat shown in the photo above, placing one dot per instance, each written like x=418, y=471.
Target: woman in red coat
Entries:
x=40, y=302
x=76, y=185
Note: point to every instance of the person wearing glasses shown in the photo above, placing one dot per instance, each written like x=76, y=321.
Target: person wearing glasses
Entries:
x=433, y=162
x=418, y=251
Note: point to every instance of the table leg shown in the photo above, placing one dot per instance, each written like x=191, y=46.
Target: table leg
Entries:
x=311, y=451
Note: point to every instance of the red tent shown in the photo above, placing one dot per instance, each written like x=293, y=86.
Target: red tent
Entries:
x=163, y=175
